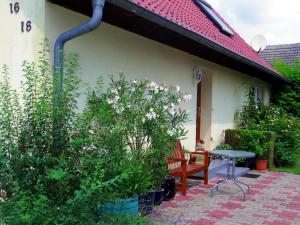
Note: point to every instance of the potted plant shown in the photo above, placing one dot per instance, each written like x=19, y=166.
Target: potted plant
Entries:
x=261, y=158
x=122, y=198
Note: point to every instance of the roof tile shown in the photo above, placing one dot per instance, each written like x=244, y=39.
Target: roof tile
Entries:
x=287, y=52
x=186, y=14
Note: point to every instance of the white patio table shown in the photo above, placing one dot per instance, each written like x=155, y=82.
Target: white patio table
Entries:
x=231, y=173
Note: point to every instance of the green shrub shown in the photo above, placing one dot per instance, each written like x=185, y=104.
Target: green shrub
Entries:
x=38, y=184
x=224, y=146
x=258, y=142
x=288, y=97
x=272, y=118
x=115, y=149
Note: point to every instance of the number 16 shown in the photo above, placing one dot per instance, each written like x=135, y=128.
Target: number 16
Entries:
x=14, y=8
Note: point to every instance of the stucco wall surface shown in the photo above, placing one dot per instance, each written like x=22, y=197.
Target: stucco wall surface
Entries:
x=15, y=45
x=110, y=50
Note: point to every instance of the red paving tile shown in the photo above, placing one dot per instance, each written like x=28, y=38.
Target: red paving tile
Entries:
x=293, y=206
x=269, y=203
x=286, y=193
x=270, y=207
x=278, y=199
x=170, y=204
x=197, y=192
x=255, y=192
x=289, y=215
x=259, y=186
x=180, y=198
x=267, y=181
x=203, y=222
x=219, y=214
x=296, y=198
x=277, y=222
x=265, y=216
x=240, y=198
x=231, y=205
x=207, y=185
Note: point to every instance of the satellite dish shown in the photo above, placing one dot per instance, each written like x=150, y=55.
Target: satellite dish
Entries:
x=258, y=43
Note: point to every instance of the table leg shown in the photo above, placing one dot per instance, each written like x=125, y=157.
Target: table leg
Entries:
x=240, y=187
x=236, y=182
x=248, y=187
x=217, y=186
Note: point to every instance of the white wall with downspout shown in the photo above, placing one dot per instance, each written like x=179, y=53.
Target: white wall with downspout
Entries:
x=110, y=50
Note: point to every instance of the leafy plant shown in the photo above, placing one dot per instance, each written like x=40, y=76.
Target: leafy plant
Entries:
x=38, y=183
x=224, y=146
x=272, y=118
x=259, y=142
x=139, y=121
x=288, y=98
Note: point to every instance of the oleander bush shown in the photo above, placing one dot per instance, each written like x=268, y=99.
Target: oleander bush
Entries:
x=137, y=119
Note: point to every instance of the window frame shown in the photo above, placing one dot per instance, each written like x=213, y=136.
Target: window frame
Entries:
x=215, y=18
x=259, y=95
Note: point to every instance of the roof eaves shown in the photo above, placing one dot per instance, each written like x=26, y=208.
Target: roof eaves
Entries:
x=149, y=15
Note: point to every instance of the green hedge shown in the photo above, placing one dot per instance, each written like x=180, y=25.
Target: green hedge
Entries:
x=259, y=142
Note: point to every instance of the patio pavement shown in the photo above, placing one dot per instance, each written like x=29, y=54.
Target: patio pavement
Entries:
x=274, y=199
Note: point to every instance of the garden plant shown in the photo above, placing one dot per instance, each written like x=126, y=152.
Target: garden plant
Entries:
x=256, y=116
x=113, y=150
x=138, y=122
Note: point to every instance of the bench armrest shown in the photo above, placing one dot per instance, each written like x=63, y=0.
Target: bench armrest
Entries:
x=205, y=154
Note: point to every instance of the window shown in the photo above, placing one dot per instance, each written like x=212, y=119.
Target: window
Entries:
x=204, y=6
x=258, y=95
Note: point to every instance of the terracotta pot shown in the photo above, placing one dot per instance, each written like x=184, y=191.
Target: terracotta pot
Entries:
x=261, y=164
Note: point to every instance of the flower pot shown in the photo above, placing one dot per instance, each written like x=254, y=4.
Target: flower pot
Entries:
x=146, y=203
x=122, y=207
x=250, y=163
x=169, y=188
x=261, y=164
x=158, y=196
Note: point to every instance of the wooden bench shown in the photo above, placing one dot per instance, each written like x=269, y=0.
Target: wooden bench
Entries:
x=186, y=170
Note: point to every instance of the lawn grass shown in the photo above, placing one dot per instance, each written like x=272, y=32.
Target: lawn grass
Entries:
x=295, y=169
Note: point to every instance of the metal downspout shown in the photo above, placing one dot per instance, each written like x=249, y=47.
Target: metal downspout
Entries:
x=90, y=25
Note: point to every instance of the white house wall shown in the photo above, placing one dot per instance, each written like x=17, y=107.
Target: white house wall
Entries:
x=111, y=50
x=15, y=45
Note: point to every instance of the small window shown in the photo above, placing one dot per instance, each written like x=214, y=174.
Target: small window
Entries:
x=258, y=95
x=204, y=6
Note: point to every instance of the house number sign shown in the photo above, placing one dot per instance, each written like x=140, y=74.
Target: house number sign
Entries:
x=14, y=9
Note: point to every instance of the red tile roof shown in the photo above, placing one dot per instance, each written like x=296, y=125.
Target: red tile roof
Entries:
x=186, y=14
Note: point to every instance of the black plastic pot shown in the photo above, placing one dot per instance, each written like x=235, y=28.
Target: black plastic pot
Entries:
x=169, y=188
x=158, y=196
x=146, y=203
x=250, y=163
